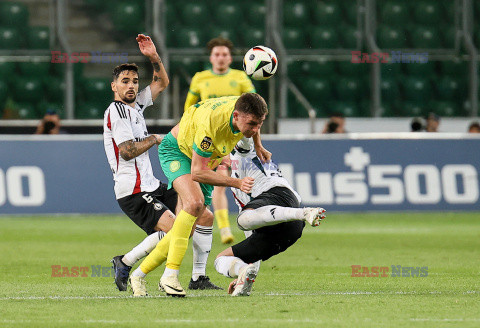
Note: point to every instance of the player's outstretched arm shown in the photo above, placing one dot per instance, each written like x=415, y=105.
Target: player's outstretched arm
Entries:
x=263, y=154
x=203, y=174
x=160, y=77
x=131, y=149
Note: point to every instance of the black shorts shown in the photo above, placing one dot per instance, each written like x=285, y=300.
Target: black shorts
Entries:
x=268, y=241
x=146, y=208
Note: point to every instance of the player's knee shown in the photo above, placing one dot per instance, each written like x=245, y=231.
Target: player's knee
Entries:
x=193, y=206
x=243, y=220
x=206, y=219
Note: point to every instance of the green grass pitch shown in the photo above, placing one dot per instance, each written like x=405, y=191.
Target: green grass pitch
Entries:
x=310, y=285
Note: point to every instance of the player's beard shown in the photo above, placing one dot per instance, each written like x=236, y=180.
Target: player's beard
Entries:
x=127, y=98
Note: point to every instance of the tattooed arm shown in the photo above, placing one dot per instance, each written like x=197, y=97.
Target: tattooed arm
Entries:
x=160, y=77
x=131, y=149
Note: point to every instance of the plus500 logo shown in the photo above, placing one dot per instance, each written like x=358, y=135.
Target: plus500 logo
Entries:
x=22, y=186
x=388, y=184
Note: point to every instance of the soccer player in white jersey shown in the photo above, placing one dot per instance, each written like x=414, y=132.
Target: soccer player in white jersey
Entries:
x=270, y=216
x=142, y=197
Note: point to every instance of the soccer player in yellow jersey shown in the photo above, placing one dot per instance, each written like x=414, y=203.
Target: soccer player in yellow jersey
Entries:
x=189, y=155
x=219, y=81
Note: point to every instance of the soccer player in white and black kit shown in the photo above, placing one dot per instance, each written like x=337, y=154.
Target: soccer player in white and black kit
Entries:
x=141, y=196
x=270, y=217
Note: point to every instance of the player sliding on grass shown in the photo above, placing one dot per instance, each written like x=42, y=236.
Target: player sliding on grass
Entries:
x=189, y=155
x=142, y=197
x=269, y=215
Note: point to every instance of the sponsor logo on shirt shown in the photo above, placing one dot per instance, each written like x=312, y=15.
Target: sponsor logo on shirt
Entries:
x=174, y=166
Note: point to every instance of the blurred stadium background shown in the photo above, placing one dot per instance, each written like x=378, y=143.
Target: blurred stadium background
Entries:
x=314, y=41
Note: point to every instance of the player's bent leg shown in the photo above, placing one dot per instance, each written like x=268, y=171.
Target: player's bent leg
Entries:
x=251, y=219
x=202, y=245
x=220, y=204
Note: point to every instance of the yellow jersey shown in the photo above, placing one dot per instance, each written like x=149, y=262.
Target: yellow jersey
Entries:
x=207, y=84
x=207, y=129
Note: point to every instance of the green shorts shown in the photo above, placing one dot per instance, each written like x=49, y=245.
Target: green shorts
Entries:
x=175, y=164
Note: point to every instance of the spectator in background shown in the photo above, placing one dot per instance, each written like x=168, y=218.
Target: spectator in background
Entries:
x=50, y=123
x=416, y=125
x=474, y=127
x=335, y=124
x=432, y=122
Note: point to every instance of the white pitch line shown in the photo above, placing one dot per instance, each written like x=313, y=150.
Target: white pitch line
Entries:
x=19, y=298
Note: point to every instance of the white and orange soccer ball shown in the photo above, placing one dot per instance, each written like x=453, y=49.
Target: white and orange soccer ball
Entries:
x=260, y=63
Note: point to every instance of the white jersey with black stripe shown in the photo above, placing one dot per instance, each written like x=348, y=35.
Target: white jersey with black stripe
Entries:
x=245, y=163
x=123, y=123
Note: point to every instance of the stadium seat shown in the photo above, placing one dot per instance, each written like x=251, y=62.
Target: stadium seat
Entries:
x=56, y=107
x=171, y=15
x=35, y=68
x=194, y=14
x=27, y=89
x=98, y=90
x=324, y=38
x=127, y=16
x=348, y=109
x=55, y=88
x=426, y=37
x=228, y=14
x=391, y=38
x=38, y=37
x=3, y=95
x=394, y=13
x=187, y=65
x=190, y=38
x=413, y=109
x=10, y=38
x=349, y=36
x=293, y=38
x=426, y=70
x=256, y=14
x=448, y=88
x=445, y=108
x=390, y=90
x=7, y=70
x=320, y=68
x=317, y=90
x=427, y=12
x=252, y=36
x=417, y=89
x=26, y=111
x=225, y=32
x=327, y=13
x=449, y=37
x=90, y=110
x=295, y=109
x=392, y=70
x=13, y=14
x=349, y=88
x=453, y=68
x=351, y=11
x=295, y=13
x=352, y=69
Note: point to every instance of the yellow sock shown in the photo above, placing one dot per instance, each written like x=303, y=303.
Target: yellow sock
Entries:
x=222, y=218
x=158, y=255
x=179, y=241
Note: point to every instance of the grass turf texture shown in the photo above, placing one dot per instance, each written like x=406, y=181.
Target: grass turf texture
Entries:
x=307, y=286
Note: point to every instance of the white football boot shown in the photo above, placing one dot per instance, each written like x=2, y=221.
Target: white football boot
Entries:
x=138, y=285
x=245, y=280
x=313, y=215
x=171, y=286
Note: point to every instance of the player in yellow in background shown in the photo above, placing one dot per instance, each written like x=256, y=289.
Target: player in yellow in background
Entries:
x=219, y=81
x=189, y=155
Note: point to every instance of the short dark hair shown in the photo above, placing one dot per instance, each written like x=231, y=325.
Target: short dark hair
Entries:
x=220, y=41
x=124, y=67
x=474, y=125
x=252, y=103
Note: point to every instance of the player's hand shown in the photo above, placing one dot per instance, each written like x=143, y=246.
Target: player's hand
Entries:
x=246, y=184
x=263, y=154
x=158, y=139
x=146, y=45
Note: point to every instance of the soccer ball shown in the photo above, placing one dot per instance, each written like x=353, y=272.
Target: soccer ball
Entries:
x=260, y=63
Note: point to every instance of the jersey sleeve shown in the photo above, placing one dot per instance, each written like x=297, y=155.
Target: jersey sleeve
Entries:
x=203, y=142
x=246, y=84
x=144, y=98
x=193, y=93
x=120, y=123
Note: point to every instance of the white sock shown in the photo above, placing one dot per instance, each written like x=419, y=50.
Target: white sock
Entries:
x=138, y=273
x=170, y=272
x=229, y=266
x=202, y=244
x=143, y=249
x=268, y=215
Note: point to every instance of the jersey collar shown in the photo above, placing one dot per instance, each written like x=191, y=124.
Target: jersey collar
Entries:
x=231, y=125
x=211, y=71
